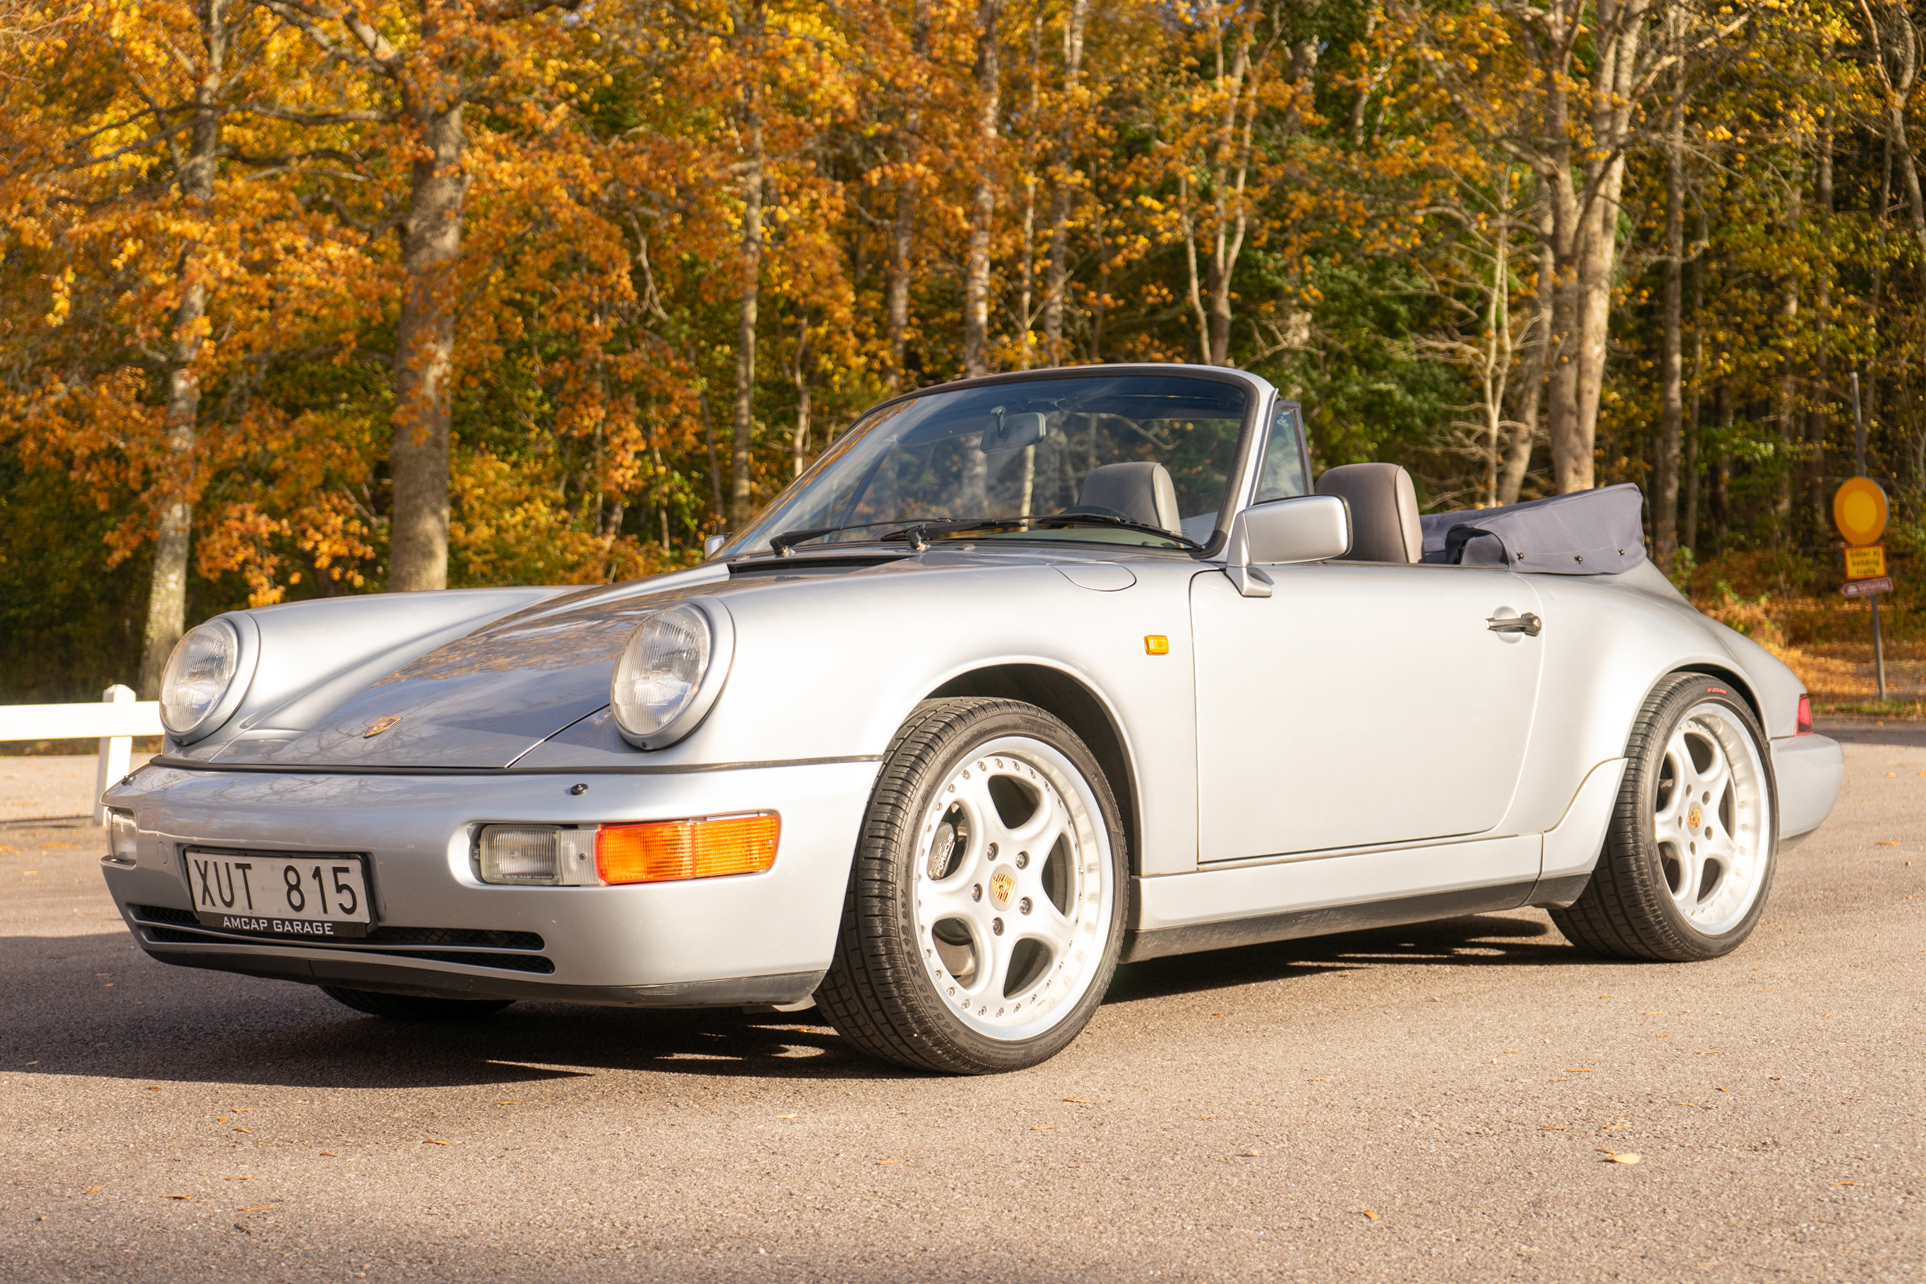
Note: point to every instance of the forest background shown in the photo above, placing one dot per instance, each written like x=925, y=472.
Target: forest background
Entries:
x=300, y=298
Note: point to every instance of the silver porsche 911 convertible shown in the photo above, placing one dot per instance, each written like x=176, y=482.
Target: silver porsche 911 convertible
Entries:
x=1026, y=676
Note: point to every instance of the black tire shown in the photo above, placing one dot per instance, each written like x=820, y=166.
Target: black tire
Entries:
x=1631, y=908
x=882, y=990
x=415, y=1007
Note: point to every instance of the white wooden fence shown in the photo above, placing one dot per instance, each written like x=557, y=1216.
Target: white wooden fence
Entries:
x=117, y=719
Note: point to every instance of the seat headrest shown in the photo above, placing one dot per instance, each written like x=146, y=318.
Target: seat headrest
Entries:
x=1384, y=511
x=1140, y=491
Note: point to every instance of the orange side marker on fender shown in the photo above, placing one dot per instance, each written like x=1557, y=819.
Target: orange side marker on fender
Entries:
x=1156, y=644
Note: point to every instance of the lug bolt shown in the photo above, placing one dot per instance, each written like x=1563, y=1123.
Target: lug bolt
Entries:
x=976, y=891
x=1023, y=860
x=992, y=852
x=1024, y=905
x=996, y=926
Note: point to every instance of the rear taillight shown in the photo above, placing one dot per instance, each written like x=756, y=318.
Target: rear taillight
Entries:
x=1803, y=725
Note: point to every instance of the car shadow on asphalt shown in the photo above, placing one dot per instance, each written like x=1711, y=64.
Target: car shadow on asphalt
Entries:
x=1475, y=940
x=199, y=1027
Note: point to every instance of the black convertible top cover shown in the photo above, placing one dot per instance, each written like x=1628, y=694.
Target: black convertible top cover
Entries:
x=1589, y=532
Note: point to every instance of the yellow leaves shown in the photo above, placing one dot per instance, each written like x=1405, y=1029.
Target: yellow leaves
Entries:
x=1620, y=1157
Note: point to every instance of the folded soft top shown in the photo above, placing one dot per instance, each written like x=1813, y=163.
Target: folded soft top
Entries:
x=1589, y=532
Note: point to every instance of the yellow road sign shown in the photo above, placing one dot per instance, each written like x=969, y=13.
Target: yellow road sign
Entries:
x=1859, y=510
x=1866, y=563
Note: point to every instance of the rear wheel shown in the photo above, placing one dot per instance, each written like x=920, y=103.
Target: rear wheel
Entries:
x=414, y=1007
x=986, y=902
x=1689, y=858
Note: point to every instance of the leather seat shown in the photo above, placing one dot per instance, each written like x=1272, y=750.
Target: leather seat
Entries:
x=1384, y=511
x=1141, y=492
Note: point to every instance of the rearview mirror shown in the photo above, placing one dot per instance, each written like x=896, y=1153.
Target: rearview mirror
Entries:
x=1309, y=528
x=1014, y=432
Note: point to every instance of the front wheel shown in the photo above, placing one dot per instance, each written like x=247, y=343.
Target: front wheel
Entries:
x=986, y=903
x=1689, y=857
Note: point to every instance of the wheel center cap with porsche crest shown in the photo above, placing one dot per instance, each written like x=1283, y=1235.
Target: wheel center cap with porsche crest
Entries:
x=380, y=725
x=1002, y=886
x=1694, y=818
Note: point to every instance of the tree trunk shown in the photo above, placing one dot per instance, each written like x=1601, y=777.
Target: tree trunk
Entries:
x=1598, y=262
x=740, y=480
x=1056, y=281
x=976, y=281
x=902, y=237
x=1690, y=538
x=1665, y=480
x=1814, y=518
x=1531, y=395
x=167, y=592
x=425, y=349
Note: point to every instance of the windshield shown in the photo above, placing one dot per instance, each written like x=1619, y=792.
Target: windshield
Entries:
x=1141, y=460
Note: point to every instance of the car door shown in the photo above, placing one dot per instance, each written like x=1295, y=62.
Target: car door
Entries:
x=1359, y=705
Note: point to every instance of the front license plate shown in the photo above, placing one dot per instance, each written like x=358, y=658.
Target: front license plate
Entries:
x=280, y=894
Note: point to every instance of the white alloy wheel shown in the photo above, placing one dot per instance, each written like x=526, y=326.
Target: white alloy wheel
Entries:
x=1689, y=854
x=1014, y=893
x=1712, y=819
x=986, y=899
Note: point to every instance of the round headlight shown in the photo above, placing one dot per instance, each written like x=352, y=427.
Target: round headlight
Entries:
x=670, y=672
x=198, y=674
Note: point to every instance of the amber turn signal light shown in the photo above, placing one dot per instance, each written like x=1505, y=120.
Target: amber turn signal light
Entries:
x=1156, y=644
x=665, y=850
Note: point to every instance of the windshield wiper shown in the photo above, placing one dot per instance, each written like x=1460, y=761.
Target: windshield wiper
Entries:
x=1105, y=519
x=918, y=533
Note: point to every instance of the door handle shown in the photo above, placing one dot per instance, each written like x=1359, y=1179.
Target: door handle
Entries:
x=1528, y=624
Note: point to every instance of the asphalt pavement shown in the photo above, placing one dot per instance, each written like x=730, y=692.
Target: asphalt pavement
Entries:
x=1455, y=1101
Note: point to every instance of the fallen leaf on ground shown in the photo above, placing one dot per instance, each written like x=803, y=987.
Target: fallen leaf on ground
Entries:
x=1559, y=1128
x=326, y=1154
x=1368, y=1213
x=92, y=1191
x=1711, y=1052
x=1845, y=1183
x=881, y=1162
x=430, y=1141
x=786, y=1116
x=1887, y=843
x=1077, y=1100
x=1622, y=1157
x=508, y=1103
x=1043, y=1127
x=1320, y=1079
x=264, y=1208
x=1580, y=1070
x=249, y=1131
x=181, y=1197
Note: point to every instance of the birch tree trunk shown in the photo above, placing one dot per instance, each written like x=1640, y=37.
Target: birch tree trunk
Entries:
x=1665, y=480
x=167, y=592
x=1056, y=279
x=740, y=480
x=902, y=236
x=976, y=280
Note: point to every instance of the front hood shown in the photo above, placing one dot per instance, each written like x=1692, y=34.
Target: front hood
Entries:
x=487, y=698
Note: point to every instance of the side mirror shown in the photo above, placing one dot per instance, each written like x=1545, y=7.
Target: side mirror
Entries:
x=1309, y=528
x=710, y=545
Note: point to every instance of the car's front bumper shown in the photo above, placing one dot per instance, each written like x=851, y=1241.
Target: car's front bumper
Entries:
x=757, y=938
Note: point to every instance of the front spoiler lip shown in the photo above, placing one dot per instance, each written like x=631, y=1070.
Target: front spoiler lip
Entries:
x=639, y=769
x=389, y=977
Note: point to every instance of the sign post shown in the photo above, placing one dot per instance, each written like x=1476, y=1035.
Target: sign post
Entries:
x=1859, y=511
